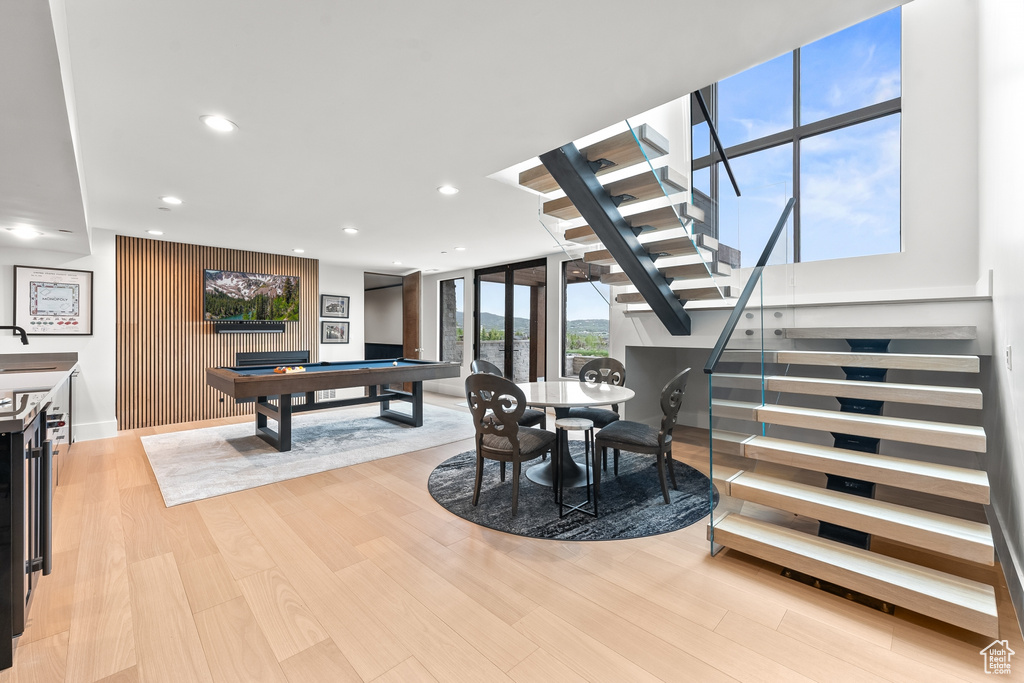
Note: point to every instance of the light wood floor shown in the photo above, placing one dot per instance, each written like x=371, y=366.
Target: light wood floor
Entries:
x=358, y=575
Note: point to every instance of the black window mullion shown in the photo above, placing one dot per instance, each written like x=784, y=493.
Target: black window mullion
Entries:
x=510, y=323
x=796, y=156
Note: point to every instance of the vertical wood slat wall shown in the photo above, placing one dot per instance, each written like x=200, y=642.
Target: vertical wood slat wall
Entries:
x=163, y=344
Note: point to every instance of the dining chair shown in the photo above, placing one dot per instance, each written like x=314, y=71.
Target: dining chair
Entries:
x=598, y=371
x=636, y=437
x=497, y=405
x=531, y=417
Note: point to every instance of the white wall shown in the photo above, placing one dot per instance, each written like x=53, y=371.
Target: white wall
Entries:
x=342, y=281
x=1001, y=148
x=383, y=315
x=94, y=414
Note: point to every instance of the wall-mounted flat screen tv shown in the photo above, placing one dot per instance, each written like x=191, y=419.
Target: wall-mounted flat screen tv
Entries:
x=230, y=295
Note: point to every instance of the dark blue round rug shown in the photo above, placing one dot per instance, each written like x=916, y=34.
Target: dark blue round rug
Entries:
x=631, y=504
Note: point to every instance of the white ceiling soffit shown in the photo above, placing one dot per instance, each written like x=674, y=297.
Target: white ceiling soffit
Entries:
x=353, y=114
x=377, y=280
x=39, y=181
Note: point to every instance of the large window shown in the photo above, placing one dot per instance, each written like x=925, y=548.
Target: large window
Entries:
x=584, y=315
x=510, y=318
x=821, y=124
x=453, y=322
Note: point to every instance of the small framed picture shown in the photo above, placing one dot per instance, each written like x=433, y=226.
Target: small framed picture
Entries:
x=53, y=301
x=333, y=333
x=332, y=306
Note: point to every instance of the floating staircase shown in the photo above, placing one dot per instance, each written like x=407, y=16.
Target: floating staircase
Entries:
x=620, y=232
x=779, y=480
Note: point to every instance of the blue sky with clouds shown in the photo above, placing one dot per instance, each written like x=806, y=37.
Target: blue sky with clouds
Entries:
x=850, y=178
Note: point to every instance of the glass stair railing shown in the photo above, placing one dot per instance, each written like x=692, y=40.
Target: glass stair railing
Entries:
x=742, y=359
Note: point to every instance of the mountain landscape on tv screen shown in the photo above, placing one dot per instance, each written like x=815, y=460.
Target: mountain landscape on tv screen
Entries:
x=229, y=295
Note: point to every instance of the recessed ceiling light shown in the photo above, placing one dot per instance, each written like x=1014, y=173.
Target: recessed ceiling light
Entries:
x=170, y=200
x=219, y=123
x=155, y=232
x=448, y=189
x=351, y=231
x=67, y=231
x=24, y=232
x=397, y=263
x=299, y=251
x=163, y=208
x=460, y=249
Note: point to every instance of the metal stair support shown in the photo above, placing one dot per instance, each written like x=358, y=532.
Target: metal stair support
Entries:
x=576, y=177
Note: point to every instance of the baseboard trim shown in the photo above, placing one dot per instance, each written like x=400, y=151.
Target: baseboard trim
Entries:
x=91, y=431
x=1011, y=567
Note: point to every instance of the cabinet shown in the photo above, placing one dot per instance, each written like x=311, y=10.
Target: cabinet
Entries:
x=29, y=439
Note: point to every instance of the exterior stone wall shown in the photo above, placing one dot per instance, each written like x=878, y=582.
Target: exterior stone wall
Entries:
x=451, y=350
x=494, y=351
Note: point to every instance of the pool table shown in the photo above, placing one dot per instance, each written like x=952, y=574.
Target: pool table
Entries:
x=263, y=384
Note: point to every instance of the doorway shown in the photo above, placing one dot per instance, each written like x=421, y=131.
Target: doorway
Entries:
x=510, y=318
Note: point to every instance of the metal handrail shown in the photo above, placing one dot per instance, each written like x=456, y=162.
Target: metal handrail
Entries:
x=718, y=143
x=755, y=276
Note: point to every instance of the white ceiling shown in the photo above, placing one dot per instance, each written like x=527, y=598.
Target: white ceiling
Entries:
x=349, y=114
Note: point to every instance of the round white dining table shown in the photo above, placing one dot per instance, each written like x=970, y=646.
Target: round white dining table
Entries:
x=563, y=395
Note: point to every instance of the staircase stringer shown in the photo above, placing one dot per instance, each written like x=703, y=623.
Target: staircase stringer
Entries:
x=574, y=175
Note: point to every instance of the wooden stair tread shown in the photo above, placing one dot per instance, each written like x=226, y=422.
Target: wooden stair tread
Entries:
x=621, y=149
x=665, y=217
x=944, y=534
x=738, y=410
x=730, y=443
x=921, y=394
x=689, y=294
x=894, y=361
x=640, y=187
x=928, y=477
x=729, y=380
x=943, y=434
x=923, y=332
x=943, y=596
x=675, y=246
x=688, y=271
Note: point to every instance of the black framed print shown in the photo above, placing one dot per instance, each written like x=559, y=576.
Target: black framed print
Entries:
x=333, y=333
x=332, y=306
x=53, y=301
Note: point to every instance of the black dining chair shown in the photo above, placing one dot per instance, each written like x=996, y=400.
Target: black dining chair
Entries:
x=598, y=371
x=636, y=437
x=531, y=417
x=497, y=405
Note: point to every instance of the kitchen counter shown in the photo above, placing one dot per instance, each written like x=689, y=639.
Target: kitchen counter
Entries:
x=27, y=384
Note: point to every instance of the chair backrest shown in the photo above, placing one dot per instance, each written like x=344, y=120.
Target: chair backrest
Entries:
x=486, y=367
x=604, y=371
x=671, y=400
x=488, y=395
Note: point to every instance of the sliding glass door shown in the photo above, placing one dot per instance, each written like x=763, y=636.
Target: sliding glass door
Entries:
x=510, y=318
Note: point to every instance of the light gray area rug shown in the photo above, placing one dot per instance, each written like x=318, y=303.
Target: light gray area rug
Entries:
x=203, y=463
